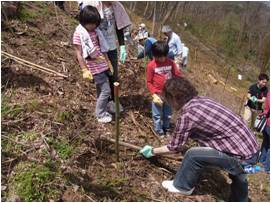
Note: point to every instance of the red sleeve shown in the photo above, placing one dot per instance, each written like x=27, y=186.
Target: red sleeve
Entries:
x=267, y=104
x=150, y=74
x=175, y=70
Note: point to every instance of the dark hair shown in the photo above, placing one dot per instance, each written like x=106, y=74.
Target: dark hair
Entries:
x=160, y=49
x=263, y=76
x=178, y=91
x=89, y=15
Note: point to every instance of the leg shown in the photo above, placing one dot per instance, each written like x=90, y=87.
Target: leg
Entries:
x=264, y=147
x=239, y=188
x=156, y=116
x=167, y=113
x=103, y=91
x=196, y=159
x=247, y=115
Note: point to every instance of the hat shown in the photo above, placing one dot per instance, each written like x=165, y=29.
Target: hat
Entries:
x=142, y=25
x=166, y=28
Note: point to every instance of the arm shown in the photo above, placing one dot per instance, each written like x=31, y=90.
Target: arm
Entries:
x=81, y=61
x=261, y=100
x=162, y=150
x=150, y=74
x=175, y=70
x=248, y=96
x=179, y=46
x=120, y=36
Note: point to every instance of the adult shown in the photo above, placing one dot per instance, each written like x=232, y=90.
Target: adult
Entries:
x=174, y=43
x=225, y=140
x=255, y=98
x=145, y=46
x=142, y=31
x=265, y=148
x=185, y=52
x=114, y=21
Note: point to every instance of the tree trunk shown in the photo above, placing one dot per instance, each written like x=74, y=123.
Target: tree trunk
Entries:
x=154, y=18
x=146, y=9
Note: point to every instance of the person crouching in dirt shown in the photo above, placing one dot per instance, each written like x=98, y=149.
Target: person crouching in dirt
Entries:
x=175, y=45
x=146, y=43
x=225, y=140
x=114, y=21
x=159, y=70
x=91, y=48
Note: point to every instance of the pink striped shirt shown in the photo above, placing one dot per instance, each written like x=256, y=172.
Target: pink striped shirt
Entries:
x=93, y=65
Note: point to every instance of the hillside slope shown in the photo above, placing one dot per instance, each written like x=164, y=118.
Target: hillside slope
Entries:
x=51, y=149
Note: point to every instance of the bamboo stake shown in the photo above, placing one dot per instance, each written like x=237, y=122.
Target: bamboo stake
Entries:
x=116, y=93
x=32, y=64
x=33, y=67
x=137, y=148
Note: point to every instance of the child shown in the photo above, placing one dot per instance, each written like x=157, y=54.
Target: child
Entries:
x=90, y=46
x=159, y=70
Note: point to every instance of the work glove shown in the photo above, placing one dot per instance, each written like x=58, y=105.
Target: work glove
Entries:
x=87, y=74
x=253, y=99
x=123, y=53
x=156, y=99
x=110, y=67
x=146, y=151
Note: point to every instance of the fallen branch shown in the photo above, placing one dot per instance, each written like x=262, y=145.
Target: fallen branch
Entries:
x=137, y=148
x=25, y=62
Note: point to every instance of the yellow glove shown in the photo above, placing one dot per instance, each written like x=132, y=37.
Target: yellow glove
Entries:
x=102, y=58
x=110, y=67
x=87, y=74
x=156, y=99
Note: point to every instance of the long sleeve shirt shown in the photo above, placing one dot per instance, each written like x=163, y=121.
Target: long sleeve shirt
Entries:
x=158, y=73
x=175, y=45
x=213, y=125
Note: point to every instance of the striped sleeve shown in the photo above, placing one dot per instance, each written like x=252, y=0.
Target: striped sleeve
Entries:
x=76, y=39
x=181, y=133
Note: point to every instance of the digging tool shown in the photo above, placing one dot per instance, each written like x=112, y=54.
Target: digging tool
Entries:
x=137, y=148
x=116, y=93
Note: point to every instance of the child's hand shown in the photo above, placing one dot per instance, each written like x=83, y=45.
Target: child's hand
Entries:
x=156, y=99
x=146, y=151
x=87, y=74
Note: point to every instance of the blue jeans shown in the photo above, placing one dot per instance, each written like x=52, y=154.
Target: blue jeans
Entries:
x=265, y=149
x=161, y=116
x=198, y=158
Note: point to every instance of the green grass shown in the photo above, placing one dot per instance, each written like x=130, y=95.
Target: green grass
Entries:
x=31, y=182
x=9, y=110
x=63, y=116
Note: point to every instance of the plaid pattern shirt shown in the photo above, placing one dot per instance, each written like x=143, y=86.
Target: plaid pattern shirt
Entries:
x=213, y=125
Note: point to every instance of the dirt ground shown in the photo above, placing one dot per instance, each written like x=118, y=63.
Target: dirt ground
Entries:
x=57, y=110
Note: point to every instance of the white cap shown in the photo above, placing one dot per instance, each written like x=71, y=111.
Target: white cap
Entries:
x=142, y=25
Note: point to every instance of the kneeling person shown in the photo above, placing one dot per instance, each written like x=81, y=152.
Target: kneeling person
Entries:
x=225, y=140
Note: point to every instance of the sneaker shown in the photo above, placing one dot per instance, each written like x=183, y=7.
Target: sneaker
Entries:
x=111, y=107
x=105, y=119
x=168, y=184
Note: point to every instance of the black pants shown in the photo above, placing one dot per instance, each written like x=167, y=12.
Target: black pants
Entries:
x=113, y=57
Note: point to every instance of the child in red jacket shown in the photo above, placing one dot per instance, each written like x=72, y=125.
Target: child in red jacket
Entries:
x=159, y=70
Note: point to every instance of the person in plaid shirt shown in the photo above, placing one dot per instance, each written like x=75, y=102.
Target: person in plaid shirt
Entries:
x=225, y=140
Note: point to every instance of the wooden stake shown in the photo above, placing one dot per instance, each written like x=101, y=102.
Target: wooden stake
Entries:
x=116, y=93
x=32, y=64
x=137, y=148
